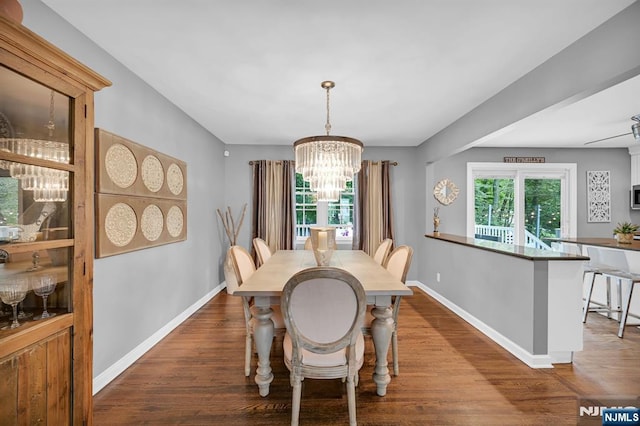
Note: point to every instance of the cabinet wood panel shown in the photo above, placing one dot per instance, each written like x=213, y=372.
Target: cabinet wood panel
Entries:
x=36, y=385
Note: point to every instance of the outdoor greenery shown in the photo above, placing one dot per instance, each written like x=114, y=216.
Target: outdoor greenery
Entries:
x=339, y=212
x=494, y=204
x=8, y=201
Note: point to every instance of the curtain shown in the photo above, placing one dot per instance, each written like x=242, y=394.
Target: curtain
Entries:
x=273, y=209
x=373, y=213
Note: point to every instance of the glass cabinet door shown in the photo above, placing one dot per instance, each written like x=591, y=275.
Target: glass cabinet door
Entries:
x=35, y=200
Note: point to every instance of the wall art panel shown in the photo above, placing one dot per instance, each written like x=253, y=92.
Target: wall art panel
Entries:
x=125, y=167
x=599, y=196
x=126, y=223
x=141, y=196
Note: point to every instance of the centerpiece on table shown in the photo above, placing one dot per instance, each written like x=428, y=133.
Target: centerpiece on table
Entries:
x=625, y=231
x=323, y=243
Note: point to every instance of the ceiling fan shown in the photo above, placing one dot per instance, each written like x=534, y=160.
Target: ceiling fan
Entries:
x=635, y=130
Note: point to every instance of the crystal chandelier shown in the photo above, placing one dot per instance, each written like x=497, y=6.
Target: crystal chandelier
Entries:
x=328, y=162
x=47, y=184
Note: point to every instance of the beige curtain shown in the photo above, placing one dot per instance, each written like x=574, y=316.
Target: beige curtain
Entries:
x=273, y=209
x=373, y=214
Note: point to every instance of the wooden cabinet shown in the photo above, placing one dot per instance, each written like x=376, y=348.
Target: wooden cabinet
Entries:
x=46, y=228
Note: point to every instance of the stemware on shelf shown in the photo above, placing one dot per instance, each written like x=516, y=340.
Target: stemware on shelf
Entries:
x=13, y=291
x=43, y=286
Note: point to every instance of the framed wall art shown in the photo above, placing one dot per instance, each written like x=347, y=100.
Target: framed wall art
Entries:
x=599, y=196
x=141, y=196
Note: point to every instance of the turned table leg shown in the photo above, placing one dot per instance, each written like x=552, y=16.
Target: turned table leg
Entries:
x=263, y=336
x=381, y=331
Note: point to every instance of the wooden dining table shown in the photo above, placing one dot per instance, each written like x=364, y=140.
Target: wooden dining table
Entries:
x=266, y=285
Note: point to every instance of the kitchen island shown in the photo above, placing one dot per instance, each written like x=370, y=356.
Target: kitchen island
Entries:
x=527, y=300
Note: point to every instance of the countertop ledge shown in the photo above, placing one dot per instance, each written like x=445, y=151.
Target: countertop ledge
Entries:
x=507, y=249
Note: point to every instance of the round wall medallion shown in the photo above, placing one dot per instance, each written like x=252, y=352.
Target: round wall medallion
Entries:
x=175, y=221
x=175, y=179
x=120, y=224
x=152, y=173
x=121, y=165
x=445, y=192
x=152, y=222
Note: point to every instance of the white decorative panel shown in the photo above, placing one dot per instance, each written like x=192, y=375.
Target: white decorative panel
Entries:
x=599, y=196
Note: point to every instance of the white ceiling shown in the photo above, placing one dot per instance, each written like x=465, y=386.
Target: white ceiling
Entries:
x=250, y=71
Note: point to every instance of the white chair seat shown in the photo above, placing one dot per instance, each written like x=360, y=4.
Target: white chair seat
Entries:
x=324, y=360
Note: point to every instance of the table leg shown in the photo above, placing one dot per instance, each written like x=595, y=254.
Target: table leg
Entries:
x=263, y=336
x=381, y=331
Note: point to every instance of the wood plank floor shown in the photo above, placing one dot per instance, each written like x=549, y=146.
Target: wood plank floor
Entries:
x=450, y=374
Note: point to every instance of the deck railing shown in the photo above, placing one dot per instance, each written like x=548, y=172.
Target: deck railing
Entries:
x=504, y=234
x=342, y=231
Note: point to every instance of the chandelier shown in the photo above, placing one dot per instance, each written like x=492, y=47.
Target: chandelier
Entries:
x=47, y=184
x=328, y=162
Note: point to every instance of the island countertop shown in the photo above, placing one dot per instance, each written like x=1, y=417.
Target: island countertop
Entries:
x=602, y=242
x=508, y=249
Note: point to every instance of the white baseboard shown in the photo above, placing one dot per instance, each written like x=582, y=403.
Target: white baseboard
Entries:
x=533, y=361
x=125, y=362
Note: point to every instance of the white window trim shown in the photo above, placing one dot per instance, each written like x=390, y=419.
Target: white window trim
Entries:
x=566, y=172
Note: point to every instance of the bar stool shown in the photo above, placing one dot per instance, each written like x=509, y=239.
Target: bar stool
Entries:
x=606, y=265
x=623, y=273
x=595, y=267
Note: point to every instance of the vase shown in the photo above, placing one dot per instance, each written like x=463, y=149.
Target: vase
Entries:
x=12, y=10
x=625, y=238
x=230, y=278
x=323, y=243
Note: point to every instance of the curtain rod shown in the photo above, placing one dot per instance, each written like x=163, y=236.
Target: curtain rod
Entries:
x=393, y=163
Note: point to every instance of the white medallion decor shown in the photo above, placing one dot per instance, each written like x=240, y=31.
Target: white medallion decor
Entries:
x=599, y=196
x=151, y=185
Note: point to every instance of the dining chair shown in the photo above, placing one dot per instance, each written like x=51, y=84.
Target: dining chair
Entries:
x=398, y=263
x=323, y=311
x=243, y=268
x=381, y=253
x=262, y=250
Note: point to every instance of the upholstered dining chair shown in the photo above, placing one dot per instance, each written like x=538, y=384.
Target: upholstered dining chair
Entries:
x=244, y=267
x=381, y=253
x=398, y=263
x=323, y=311
x=262, y=250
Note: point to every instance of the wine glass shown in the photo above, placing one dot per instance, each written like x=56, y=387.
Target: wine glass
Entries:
x=43, y=287
x=12, y=292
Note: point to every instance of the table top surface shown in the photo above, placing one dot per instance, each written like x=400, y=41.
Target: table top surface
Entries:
x=270, y=278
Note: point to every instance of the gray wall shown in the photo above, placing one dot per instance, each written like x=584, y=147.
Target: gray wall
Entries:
x=453, y=217
x=404, y=185
x=135, y=294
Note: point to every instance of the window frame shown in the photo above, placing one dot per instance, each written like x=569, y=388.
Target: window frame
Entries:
x=322, y=212
x=566, y=172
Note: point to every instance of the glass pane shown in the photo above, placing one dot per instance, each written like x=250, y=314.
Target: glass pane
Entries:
x=34, y=206
x=542, y=207
x=34, y=124
x=494, y=209
x=35, y=114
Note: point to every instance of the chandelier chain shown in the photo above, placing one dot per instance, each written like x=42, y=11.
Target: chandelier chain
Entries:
x=51, y=125
x=327, y=126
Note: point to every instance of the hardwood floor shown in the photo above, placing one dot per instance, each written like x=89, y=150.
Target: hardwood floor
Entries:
x=450, y=374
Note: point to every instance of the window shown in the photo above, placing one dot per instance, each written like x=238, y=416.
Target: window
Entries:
x=523, y=204
x=310, y=212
